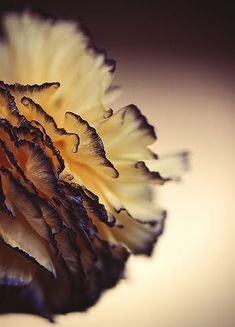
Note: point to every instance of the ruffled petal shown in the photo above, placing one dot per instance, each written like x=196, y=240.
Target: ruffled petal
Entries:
x=139, y=236
x=76, y=192
x=127, y=135
x=172, y=166
x=62, y=53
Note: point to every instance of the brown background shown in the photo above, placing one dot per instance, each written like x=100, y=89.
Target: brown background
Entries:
x=176, y=62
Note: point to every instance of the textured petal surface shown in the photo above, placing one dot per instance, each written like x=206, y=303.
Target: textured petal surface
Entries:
x=76, y=178
x=60, y=54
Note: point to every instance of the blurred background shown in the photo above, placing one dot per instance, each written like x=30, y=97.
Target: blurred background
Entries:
x=176, y=61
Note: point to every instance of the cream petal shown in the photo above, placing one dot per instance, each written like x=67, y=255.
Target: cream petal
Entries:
x=133, y=194
x=170, y=166
x=127, y=134
x=139, y=236
x=91, y=154
x=34, y=112
x=73, y=200
x=62, y=53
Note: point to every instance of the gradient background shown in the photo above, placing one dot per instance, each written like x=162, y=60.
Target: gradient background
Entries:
x=176, y=61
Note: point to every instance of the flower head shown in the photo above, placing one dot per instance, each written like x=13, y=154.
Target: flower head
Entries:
x=76, y=183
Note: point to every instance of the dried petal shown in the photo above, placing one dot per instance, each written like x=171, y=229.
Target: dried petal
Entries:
x=75, y=187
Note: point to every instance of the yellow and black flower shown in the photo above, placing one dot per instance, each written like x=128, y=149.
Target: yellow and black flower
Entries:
x=75, y=191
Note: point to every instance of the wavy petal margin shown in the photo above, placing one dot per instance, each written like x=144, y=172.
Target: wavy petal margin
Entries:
x=76, y=192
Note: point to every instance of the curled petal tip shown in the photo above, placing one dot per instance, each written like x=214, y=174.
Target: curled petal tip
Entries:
x=77, y=183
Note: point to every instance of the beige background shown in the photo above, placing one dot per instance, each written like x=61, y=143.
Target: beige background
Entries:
x=190, y=279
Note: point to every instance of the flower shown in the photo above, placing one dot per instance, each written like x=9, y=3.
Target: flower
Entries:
x=76, y=178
